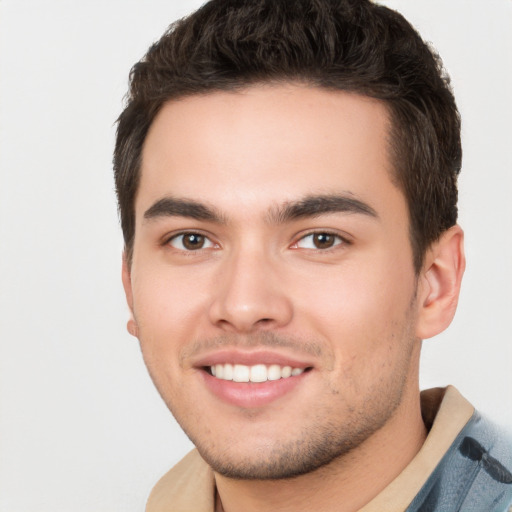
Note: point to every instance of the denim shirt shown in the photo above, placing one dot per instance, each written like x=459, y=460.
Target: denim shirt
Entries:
x=475, y=474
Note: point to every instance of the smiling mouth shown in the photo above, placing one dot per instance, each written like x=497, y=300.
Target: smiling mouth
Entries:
x=256, y=373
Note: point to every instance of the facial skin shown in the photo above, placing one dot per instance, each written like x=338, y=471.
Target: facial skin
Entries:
x=296, y=253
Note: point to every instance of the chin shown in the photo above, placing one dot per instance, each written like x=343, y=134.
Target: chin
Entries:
x=315, y=447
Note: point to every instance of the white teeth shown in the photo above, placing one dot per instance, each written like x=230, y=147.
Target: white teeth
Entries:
x=228, y=372
x=256, y=373
x=286, y=371
x=241, y=373
x=274, y=372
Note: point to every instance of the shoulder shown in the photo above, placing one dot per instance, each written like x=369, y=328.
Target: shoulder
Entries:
x=474, y=475
x=187, y=487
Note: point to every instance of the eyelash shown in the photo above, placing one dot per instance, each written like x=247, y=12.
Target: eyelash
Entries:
x=339, y=240
x=183, y=236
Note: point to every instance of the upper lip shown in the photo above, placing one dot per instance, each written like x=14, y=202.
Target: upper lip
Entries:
x=249, y=358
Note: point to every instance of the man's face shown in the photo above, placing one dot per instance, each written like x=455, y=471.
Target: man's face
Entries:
x=271, y=245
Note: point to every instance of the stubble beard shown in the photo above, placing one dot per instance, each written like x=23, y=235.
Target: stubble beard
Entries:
x=315, y=448
x=319, y=443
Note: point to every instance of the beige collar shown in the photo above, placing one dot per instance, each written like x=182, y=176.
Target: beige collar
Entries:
x=189, y=486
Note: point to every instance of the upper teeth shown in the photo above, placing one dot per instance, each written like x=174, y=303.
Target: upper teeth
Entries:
x=256, y=373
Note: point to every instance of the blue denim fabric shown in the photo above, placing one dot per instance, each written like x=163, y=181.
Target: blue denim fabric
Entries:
x=475, y=475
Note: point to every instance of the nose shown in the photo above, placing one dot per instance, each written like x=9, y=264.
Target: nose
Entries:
x=250, y=294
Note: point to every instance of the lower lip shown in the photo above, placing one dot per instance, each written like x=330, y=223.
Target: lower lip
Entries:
x=251, y=394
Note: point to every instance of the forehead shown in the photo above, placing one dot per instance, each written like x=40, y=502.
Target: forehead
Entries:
x=266, y=144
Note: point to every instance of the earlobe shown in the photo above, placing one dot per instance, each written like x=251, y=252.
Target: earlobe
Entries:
x=440, y=281
x=131, y=326
x=127, y=285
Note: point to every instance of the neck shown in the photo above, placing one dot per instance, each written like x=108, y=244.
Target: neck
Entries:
x=347, y=483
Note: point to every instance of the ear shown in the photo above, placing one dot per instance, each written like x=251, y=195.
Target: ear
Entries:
x=127, y=285
x=439, y=283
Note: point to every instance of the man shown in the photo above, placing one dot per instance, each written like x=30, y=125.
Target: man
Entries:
x=286, y=174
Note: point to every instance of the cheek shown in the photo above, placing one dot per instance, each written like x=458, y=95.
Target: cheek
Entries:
x=167, y=312
x=363, y=312
x=355, y=298
x=166, y=300
x=165, y=323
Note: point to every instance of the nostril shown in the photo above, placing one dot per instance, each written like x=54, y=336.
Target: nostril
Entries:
x=242, y=310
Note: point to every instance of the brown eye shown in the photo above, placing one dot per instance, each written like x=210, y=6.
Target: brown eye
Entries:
x=319, y=241
x=190, y=242
x=323, y=240
x=193, y=241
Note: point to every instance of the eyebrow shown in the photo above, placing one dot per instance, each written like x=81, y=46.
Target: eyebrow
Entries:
x=316, y=205
x=309, y=206
x=174, y=207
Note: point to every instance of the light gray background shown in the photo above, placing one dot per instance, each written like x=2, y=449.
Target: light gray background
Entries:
x=82, y=428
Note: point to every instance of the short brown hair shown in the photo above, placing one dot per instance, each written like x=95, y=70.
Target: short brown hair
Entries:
x=349, y=45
